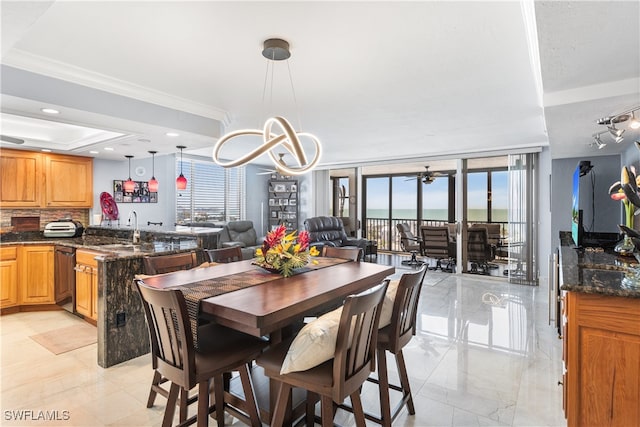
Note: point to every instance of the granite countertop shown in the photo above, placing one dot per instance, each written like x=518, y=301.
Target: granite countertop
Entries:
x=111, y=247
x=165, y=229
x=596, y=272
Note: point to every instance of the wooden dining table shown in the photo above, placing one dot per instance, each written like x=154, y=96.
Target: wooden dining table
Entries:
x=266, y=309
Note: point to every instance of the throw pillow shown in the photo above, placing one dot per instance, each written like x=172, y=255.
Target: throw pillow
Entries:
x=316, y=341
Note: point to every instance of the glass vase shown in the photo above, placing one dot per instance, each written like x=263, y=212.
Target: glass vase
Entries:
x=625, y=247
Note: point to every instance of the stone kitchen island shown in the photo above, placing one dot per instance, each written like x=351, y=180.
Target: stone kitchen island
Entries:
x=121, y=328
x=601, y=337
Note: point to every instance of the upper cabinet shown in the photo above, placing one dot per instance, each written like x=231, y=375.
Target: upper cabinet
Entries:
x=22, y=179
x=69, y=181
x=40, y=180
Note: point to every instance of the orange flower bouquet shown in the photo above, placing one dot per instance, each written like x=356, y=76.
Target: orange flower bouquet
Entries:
x=284, y=252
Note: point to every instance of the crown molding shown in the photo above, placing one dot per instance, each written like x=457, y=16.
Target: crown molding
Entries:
x=70, y=73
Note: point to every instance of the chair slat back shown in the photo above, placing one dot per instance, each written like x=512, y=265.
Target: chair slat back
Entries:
x=435, y=240
x=224, y=255
x=405, y=307
x=478, y=247
x=408, y=242
x=352, y=254
x=171, y=338
x=356, y=341
x=169, y=263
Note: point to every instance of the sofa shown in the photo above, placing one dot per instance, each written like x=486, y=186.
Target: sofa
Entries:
x=329, y=231
x=243, y=234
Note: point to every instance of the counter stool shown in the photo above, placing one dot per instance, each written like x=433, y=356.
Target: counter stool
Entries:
x=220, y=350
x=342, y=376
x=393, y=338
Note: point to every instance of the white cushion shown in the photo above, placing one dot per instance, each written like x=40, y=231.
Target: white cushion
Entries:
x=387, y=304
x=314, y=344
x=316, y=341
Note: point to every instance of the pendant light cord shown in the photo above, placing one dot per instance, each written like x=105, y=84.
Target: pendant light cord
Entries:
x=295, y=99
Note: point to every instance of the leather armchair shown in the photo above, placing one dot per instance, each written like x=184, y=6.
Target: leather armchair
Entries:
x=329, y=231
x=242, y=234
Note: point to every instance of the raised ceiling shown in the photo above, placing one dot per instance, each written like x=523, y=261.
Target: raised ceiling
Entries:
x=374, y=80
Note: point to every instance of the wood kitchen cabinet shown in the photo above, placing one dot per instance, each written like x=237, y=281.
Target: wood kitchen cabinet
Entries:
x=36, y=279
x=87, y=284
x=41, y=180
x=602, y=360
x=69, y=181
x=22, y=179
x=8, y=276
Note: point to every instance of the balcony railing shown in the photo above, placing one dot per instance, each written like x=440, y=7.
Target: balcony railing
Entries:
x=385, y=232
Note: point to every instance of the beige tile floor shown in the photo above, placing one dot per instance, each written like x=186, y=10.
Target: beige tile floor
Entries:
x=483, y=356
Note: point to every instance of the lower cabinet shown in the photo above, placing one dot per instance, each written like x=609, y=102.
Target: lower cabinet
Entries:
x=602, y=360
x=87, y=284
x=8, y=276
x=36, y=279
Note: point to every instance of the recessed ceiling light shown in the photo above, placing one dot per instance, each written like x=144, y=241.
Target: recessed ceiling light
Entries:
x=49, y=111
x=46, y=150
x=93, y=152
x=108, y=149
x=172, y=134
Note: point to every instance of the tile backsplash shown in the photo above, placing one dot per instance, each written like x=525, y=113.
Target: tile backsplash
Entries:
x=46, y=215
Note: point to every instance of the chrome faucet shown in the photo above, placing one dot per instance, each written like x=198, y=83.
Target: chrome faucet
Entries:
x=136, y=231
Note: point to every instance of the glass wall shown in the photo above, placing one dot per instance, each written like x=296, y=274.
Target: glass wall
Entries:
x=435, y=200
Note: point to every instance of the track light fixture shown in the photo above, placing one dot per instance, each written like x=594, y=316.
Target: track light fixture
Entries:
x=615, y=132
x=634, y=123
x=599, y=142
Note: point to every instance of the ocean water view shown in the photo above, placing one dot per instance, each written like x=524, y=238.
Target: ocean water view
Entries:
x=497, y=215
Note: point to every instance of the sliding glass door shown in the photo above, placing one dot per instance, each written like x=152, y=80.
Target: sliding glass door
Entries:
x=495, y=193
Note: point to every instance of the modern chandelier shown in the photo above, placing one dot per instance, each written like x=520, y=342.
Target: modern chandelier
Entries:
x=287, y=138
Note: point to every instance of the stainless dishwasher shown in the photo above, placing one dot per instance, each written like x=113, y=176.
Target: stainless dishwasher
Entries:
x=65, y=277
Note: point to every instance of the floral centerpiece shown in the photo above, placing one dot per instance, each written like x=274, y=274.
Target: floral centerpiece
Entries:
x=284, y=252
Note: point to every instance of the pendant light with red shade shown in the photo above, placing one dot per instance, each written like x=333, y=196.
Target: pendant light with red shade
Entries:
x=153, y=182
x=128, y=186
x=181, y=181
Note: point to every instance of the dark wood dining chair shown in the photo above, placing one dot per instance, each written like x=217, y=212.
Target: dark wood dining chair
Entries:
x=220, y=350
x=393, y=338
x=437, y=245
x=224, y=255
x=353, y=254
x=342, y=376
x=169, y=263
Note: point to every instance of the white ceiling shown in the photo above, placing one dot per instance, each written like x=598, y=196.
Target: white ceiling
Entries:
x=373, y=80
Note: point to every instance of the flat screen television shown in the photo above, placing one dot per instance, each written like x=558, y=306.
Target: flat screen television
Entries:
x=576, y=213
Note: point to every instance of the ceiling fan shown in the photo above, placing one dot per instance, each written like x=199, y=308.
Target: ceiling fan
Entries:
x=277, y=169
x=11, y=139
x=427, y=177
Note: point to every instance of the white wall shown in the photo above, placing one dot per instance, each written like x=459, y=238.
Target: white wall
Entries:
x=105, y=171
